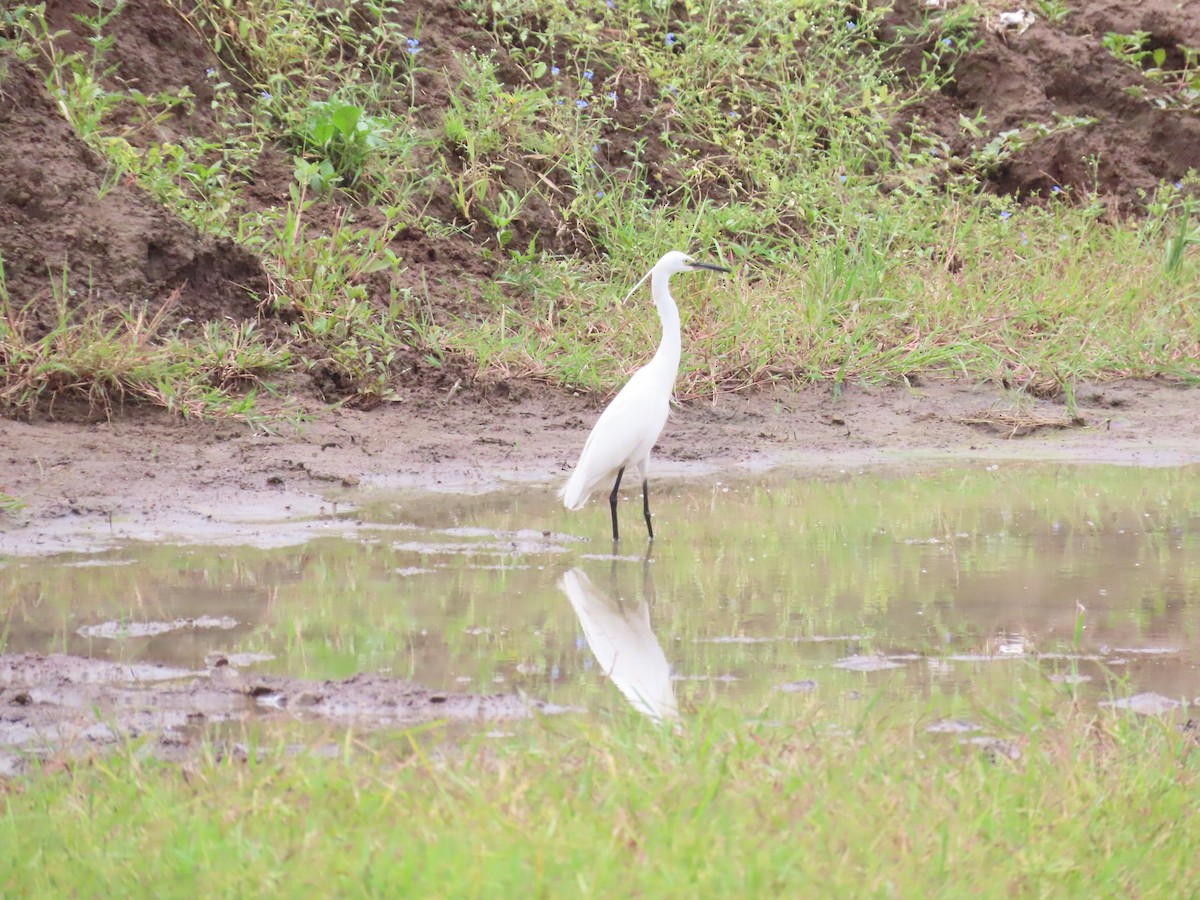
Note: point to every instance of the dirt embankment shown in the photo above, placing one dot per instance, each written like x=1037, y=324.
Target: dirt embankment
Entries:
x=146, y=475
x=62, y=209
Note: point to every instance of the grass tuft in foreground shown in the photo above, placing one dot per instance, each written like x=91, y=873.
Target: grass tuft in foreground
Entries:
x=106, y=358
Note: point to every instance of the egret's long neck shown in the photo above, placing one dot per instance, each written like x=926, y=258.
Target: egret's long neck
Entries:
x=666, y=360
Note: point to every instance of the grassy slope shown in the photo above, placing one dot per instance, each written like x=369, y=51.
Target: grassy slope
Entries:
x=763, y=134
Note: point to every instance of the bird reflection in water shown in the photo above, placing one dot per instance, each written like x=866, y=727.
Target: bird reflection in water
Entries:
x=619, y=635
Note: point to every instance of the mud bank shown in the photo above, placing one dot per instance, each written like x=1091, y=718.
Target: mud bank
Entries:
x=147, y=476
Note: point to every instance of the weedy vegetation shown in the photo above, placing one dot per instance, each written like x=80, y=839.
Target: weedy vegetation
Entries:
x=568, y=145
x=110, y=357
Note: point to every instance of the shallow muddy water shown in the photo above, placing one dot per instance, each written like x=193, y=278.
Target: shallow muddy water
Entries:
x=944, y=583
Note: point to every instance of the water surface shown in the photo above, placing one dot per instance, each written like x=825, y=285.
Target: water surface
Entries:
x=930, y=581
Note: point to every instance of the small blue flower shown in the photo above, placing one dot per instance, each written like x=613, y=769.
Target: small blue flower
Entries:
x=588, y=73
x=414, y=46
x=612, y=95
x=934, y=152
x=558, y=102
x=554, y=70
x=581, y=104
x=599, y=193
x=1178, y=185
x=610, y=4
x=595, y=148
x=851, y=25
x=266, y=95
x=1005, y=214
x=1056, y=190
x=842, y=179
x=210, y=72
x=947, y=42
x=671, y=39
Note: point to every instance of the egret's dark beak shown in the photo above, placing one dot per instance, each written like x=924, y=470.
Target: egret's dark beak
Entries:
x=711, y=268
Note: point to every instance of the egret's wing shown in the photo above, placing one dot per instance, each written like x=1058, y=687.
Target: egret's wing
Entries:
x=624, y=434
x=624, y=646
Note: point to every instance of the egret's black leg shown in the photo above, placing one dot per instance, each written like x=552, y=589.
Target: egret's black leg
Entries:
x=612, y=502
x=646, y=505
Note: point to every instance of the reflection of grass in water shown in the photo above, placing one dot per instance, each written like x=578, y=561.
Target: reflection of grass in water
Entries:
x=773, y=557
x=804, y=797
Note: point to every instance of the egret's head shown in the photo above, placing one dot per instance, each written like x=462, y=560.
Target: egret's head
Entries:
x=675, y=261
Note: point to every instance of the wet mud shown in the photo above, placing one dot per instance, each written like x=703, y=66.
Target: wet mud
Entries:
x=147, y=476
x=59, y=706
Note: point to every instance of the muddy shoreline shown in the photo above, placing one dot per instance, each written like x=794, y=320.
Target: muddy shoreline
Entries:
x=57, y=706
x=147, y=476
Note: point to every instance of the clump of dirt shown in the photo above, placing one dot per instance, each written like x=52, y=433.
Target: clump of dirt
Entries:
x=69, y=705
x=1062, y=69
x=116, y=245
x=154, y=50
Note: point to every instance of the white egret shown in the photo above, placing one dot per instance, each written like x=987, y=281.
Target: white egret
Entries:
x=629, y=427
x=625, y=646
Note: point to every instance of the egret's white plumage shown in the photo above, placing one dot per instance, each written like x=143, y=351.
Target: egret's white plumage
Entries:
x=628, y=429
x=624, y=645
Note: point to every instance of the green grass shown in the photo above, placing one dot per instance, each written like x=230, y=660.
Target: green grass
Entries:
x=573, y=143
x=831, y=802
x=1037, y=297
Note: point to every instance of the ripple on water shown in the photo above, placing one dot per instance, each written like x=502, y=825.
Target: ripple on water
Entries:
x=798, y=687
x=1146, y=651
x=1070, y=679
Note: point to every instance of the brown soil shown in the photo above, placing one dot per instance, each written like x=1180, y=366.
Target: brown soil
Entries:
x=116, y=248
x=62, y=706
x=1018, y=80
